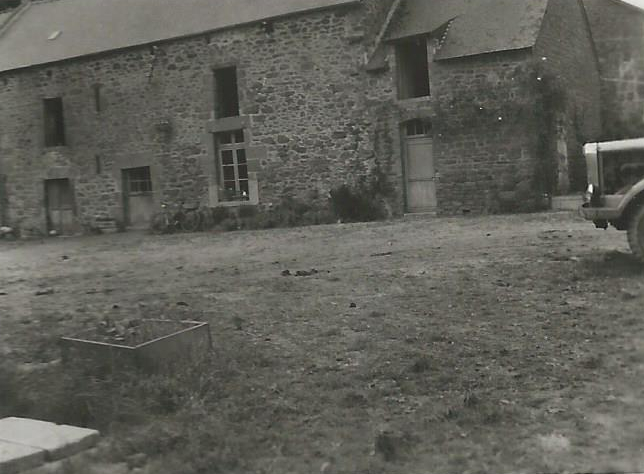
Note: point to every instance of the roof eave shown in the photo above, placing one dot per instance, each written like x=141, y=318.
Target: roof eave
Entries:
x=438, y=57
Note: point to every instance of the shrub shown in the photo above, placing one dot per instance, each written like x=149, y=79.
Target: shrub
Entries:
x=362, y=202
x=219, y=214
x=247, y=212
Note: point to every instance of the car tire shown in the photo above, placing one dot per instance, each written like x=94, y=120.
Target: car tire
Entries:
x=636, y=233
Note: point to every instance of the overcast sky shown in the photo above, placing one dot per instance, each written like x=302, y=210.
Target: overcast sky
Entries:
x=639, y=3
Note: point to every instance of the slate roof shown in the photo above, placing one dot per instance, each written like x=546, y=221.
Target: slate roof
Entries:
x=474, y=26
x=94, y=26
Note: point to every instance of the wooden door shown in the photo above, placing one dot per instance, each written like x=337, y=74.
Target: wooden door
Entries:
x=138, y=198
x=59, y=202
x=420, y=172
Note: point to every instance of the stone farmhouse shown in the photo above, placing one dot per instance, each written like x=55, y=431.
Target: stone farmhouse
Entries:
x=109, y=107
x=618, y=31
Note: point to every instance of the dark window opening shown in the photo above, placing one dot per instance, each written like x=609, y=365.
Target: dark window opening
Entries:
x=59, y=194
x=97, y=97
x=226, y=93
x=99, y=165
x=138, y=180
x=413, y=69
x=233, y=166
x=54, y=123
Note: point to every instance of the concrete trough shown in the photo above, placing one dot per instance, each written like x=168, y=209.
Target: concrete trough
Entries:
x=173, y=341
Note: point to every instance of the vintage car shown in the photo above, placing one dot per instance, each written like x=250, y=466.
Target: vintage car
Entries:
x=615, y=194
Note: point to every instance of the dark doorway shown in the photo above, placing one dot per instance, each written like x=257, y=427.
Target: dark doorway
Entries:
x=138, y=198
x=59, y=203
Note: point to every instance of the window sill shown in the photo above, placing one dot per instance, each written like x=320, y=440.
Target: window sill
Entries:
x=229, y=124
x=55, y=147
x=236, y=203
x=413, y=100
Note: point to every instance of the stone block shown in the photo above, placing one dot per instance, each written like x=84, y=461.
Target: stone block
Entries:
x=57, y=441
x=15, y=458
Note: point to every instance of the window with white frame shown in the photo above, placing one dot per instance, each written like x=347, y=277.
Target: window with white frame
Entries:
x=233, y=166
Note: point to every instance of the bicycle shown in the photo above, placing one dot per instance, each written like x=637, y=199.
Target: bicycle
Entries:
x=181, y=218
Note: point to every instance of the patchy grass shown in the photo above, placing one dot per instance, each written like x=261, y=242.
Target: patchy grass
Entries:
x=446, y=345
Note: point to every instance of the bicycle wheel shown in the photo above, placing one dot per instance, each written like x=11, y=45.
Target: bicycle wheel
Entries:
x=159, y=223
x=191, y=220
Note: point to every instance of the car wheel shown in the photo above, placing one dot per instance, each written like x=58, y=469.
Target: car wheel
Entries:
x=636, y=233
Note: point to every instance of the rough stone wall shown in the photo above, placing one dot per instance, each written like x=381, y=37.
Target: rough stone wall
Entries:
x=565, y=54
x=302, y=93
x=314, y=119
x=483, y=140
x=618, y=31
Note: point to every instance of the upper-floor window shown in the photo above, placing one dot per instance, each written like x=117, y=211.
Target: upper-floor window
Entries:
x=54, y=122
x=413, y=68
x=226, y=93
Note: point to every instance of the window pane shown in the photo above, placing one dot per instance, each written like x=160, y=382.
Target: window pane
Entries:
x=229, y=173
x=229, y=185
x=241, y=156
x=418, y=127
x=239, y=136
x=227, y=157
x=243, y=172
x=225, y=138
x=243, y=187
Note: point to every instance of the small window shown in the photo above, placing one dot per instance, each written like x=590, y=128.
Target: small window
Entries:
x=97, y=97
x=233, y=165
x=54, y=122
x=226, y=93
x=413, y=69
x=138, y=180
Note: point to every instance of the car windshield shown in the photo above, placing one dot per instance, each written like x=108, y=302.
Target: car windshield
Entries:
x=622, y=169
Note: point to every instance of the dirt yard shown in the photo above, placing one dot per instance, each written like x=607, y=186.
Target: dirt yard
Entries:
x=489, y=344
